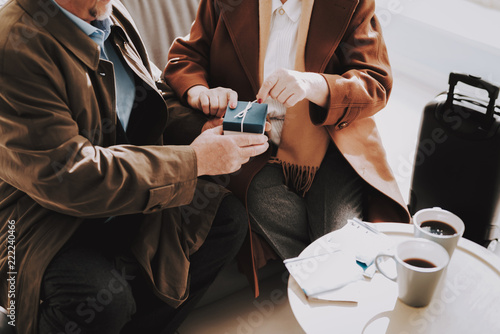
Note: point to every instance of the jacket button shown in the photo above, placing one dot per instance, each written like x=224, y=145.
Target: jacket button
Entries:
x=343, y=125
x=174, y=60
x=102, y=74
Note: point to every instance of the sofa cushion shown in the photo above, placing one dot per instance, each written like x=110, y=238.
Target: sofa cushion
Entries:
x=160, y=21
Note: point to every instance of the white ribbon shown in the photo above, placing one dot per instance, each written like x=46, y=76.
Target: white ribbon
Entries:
x=242, y=114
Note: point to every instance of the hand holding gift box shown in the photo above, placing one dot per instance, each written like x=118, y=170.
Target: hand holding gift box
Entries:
x=248, y=117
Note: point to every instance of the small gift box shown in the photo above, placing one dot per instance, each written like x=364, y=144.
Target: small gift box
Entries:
x=248, y=117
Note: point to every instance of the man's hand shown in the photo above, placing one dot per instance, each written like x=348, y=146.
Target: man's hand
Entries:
x=217, y=154
x=290, y=87
x=212, y=102
x=212, y=123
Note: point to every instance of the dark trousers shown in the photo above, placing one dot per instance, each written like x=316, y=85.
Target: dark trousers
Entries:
x=98, y=287
x=288, y=221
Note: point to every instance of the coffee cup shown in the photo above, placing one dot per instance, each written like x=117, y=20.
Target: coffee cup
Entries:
x=420, y=264
x=440, y=226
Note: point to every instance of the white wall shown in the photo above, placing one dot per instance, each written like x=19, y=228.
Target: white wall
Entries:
x=430, y=38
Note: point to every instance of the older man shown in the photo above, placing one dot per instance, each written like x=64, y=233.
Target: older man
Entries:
x=104, y=229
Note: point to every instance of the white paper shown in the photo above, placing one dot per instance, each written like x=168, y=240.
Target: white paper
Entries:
x=337, y=275
x=362, y=239
x=325, y=272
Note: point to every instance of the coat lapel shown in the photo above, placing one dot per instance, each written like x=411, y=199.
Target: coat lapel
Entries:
x=305, y=19
x=242, y=23
x=265, y=14
x=63, y=30
x=329, y=20
x=323, y=34
x=148, y=118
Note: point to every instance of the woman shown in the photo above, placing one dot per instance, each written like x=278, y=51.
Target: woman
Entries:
x=323, y=68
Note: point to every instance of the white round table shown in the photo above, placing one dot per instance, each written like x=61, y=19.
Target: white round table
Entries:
x=466, y=301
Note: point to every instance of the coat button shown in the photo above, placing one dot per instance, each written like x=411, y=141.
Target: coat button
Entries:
x=174, y=60
x=102, y=74
x=343, y=125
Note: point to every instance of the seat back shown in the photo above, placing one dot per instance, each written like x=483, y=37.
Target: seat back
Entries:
x=160, y=22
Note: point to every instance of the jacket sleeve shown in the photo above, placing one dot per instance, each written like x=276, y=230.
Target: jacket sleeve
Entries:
x=184, y=123
x=188, y=59
x=364, y=80
x=43, y=153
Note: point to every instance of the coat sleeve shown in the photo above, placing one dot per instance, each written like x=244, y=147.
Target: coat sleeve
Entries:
x=364, y=80
x=44, y=154
x=184, y=123
x=189, y=57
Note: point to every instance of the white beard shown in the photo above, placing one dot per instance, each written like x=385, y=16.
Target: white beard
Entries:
x=103, y=13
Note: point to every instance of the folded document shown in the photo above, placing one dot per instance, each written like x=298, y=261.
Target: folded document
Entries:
x=341, y=261
x=326, y=272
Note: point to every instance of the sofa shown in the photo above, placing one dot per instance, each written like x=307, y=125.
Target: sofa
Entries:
x=160, y=22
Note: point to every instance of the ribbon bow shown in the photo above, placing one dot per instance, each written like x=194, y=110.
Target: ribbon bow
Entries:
x=242, y=114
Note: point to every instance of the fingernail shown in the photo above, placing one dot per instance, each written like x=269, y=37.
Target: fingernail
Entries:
x=259, y=101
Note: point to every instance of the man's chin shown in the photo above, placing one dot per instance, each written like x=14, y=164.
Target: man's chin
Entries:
x=102, y=10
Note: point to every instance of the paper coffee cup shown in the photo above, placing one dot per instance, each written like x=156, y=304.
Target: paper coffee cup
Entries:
x=440, y=226
x=420, y=263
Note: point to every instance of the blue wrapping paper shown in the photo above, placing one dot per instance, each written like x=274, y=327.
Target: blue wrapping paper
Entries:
x=248, y=117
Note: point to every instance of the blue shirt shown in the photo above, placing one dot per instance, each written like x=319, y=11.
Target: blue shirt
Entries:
x=99, y=32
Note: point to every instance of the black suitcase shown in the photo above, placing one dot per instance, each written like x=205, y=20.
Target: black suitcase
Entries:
x=457, y=162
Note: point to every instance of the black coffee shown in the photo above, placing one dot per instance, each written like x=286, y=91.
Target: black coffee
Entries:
x=421, y=263
x=438, y=227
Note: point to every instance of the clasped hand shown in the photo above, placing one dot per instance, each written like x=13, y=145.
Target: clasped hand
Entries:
x=285, y=86
x=217, y=154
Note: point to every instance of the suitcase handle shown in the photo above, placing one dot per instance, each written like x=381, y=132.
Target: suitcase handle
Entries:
x=478, y=83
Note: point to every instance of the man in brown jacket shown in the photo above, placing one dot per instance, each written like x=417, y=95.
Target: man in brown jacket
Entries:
x=103, y=228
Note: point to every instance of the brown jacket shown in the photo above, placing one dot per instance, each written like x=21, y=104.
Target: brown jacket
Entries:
x=344, y=42
x=59, y=164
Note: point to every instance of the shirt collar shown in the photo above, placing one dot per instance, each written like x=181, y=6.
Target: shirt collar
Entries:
x=100, y=28
x=292, y=8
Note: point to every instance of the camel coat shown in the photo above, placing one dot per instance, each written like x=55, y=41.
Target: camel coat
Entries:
x=60, y=166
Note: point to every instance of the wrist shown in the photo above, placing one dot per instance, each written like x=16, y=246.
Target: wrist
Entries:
x=195, y=91
x=199, y=165
x=193, y=95
x=319, y=92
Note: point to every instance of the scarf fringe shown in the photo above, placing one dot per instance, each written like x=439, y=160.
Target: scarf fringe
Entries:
x=298, y=177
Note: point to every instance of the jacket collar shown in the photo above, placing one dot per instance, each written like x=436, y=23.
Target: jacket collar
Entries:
x=130, y=52
x=242, y=22
x=292, y=8
x=87, y=28
x=47, y=14
x=329, y=20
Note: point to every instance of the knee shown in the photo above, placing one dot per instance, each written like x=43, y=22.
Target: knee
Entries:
x=101, y=300
x=229, y=227
x=110, y=297
x=233, y=215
